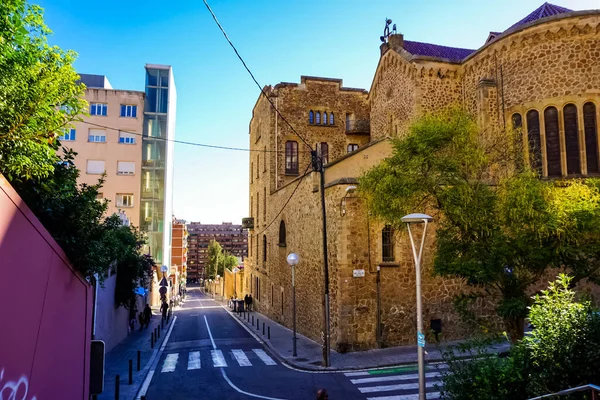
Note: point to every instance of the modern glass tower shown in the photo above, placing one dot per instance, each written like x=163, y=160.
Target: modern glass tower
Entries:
x=156, y=206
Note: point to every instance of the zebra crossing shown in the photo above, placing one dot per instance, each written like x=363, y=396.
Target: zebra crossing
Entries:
x=397, y=383
x=218, y=359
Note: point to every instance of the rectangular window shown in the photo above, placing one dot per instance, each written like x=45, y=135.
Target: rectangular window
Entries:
x=97, y=136
x=323, y=151
x=125, y=167
x=352, y=147
x=387, y=243
x=98, y=109
x=124, y=200
x=69, y=135
x=95, y=167
x=126, y=137
x=128, y=111
x=291, y=158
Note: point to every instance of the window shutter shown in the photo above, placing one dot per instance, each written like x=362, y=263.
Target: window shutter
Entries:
x=126, y=167
x=95, y=166
x=127, y=137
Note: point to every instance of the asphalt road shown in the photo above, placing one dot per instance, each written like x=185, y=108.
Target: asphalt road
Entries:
x=209, y=355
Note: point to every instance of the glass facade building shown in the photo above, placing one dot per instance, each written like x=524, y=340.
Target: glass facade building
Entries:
x=156, y=205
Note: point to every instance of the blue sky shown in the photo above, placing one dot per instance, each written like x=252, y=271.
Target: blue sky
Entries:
x=280, y=41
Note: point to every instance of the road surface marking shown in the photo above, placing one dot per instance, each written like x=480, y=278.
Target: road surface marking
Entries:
x=400, y=386
x=194, y=360
x=242, y=391
x=170, y=362
x=264, y=357
x=430, y=395
x=241, y=358
x=154, y=363
x=218, y=359
x=394, y=378
x=210, y=333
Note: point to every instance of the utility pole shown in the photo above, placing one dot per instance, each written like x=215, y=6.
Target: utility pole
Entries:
x=317, y=164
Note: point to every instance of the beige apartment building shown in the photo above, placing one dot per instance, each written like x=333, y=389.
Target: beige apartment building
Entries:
x=110, y=140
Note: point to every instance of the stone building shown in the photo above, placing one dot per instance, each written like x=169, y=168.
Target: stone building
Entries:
x=541, y=75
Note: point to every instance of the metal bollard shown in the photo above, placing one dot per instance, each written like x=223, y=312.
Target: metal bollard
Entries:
x=269, y=332
x=139, y=360
x=152, y=340
x=263, y=329
x=94, y=397
x=155, y=335
x=130, y=371
x=253, y=320
x=143, y=398
x=257, y=324
x=158, y=330
x=117, y=388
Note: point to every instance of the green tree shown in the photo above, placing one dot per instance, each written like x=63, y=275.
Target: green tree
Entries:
x=215, y=252
x=39, y=95
x=227, y=261
x=498, y=225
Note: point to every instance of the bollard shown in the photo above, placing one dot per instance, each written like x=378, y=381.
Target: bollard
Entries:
x=152, y=340
x=257, y=324
x=253, y=320
x=269, y=332
x=130, y=371
x=263, y=329
x=143, y=398
x=117, y=388
x=158, y=330
x=94, y=397
x=139, y=360
x=155, y=335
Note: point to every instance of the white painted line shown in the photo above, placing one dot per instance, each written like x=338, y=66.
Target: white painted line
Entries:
x=394, y=378
x=244, y=392
x=154, y=363
x=264, y=356
x=241, y=358
x=430, y=396
x=362, y=373
x=170, y=362
x=201, y=307
x=210, y=333
x=400, y=386
x=194, y=360
x=218, y=359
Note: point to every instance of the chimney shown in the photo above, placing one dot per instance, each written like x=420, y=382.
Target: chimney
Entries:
x=396, y=41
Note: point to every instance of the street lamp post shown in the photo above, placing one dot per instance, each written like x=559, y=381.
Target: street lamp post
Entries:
x=408, y=220
x=235, y=271
x=293, y=260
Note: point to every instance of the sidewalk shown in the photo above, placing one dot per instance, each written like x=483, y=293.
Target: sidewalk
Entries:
x=117, y=360
x=310, y=353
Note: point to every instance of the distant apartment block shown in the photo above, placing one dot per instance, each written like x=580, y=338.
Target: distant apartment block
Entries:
x=231, y=237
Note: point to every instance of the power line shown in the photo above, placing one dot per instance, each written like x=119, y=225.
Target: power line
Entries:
x=252, y=75
x=286, y=203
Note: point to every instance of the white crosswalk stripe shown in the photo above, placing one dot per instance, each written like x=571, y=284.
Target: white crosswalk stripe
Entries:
x=430, y=396
x=218, y=359
x=394, y=378
x=170, y=362
x=193, y=360
x=400, y=386
x=241, y=358
x=264, y=357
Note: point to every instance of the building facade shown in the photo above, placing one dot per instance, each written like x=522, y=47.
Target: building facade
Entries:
x=109, y=141
x=541, y=77
x=231, y=237
x=179, y=253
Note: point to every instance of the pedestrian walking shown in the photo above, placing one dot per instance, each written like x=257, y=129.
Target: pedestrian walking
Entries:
x=147, y=315
x=322, y=394
x=250, y=302
x=164, y=308
x=247, y=302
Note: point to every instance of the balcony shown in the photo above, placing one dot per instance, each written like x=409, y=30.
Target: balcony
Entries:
x=358, y=127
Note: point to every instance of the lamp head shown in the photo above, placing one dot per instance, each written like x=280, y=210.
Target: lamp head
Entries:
x=293, y=259
x=416, y=218
x=350, y=189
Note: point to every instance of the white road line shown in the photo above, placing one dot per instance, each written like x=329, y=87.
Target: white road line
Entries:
x=193, y=360
x=264, y=357
x=394, y=378
x=430, y=396
x=361, y=373
x=218, y=359
x=237, y=389
x=241, y=358
x=170, y=362
x=154, y=363
x=210, y=333
x=382, y=370
x=400, y=386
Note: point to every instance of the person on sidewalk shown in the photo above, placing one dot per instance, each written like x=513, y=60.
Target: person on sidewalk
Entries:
x=147, y=315
x=322, y=394
x=142, y=320
x=247, y=302
x=164, y=308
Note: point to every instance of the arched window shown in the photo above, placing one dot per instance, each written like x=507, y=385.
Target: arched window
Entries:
x=291, y=157
x=517, y=121
x=265, y=248
x=325, y=118
x=318, y=121
x=572, y=139
x=323, y=151
x=331, y=119
x=282, y=239
x=552, y=141
x=591, y=137
x=517, y=124
x=387, y=243
x=534, y=140
x=311, y=117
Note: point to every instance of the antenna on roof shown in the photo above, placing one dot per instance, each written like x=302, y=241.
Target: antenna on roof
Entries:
x=386, y=30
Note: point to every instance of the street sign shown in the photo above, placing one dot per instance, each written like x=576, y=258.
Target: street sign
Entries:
x=235, y=270
x=420, y=339
x=358, y=273
x=164, y=268
x=163, y=282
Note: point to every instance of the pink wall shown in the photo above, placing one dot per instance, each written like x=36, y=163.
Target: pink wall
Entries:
x=45, y=309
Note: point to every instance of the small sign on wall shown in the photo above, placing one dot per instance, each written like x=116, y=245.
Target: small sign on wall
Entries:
x=358, y=273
